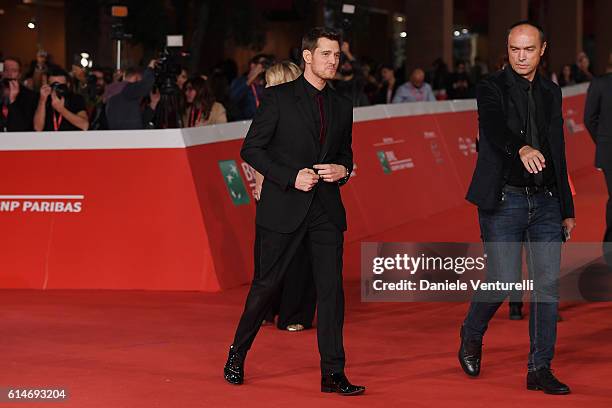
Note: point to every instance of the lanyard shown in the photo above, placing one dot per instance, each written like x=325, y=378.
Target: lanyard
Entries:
x=254, y=90
x=193, y=122
x=57, y=122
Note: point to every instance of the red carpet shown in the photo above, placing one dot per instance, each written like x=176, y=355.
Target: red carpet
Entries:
x=152, y=349
x=149, y=349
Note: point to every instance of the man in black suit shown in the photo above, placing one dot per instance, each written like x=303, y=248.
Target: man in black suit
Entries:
x=598, y=120
x=300, y=140
x=521, y=188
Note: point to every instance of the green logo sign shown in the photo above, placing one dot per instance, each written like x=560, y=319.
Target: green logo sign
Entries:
x=234, y=183
x=382, y=158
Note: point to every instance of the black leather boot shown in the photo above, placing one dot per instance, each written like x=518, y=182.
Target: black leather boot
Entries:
x=337, y=382
x=543, y=380
x=234, y=368
x=470, y=354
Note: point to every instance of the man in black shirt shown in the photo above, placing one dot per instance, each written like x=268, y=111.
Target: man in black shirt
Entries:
x=58, y=108
x=521, y=188
x=17, y=103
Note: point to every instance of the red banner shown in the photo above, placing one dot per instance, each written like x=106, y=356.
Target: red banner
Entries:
x=90, y=210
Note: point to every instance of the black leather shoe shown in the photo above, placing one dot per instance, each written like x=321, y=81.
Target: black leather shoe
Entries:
x=470, y=354
x=337, y=382
x=516, y=310
x=234, y=368
x=543, y=380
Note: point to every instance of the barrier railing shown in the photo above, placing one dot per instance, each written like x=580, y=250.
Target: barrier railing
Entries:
x=173, y=209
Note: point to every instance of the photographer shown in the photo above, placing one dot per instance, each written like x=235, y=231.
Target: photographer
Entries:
x=17, y=103
x=39, y=70
x=58, y=108
x=123, y=110
x=350, y=81
x=246, y=91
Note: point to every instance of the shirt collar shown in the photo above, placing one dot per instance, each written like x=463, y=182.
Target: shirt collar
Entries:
x=524, y=83
x=311, y=90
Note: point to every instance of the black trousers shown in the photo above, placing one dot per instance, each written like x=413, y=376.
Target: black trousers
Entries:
x=276, y=251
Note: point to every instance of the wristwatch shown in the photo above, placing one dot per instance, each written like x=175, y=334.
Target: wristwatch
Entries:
x=346, y=176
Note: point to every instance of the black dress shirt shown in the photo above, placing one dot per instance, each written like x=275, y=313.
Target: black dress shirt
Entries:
x=314, y=93
x=533, y=136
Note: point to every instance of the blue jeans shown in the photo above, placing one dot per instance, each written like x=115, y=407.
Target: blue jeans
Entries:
x=534, y=222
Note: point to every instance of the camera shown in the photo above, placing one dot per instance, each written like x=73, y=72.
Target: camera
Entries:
x=61, y=90
x=166, y=71
x=5, y=85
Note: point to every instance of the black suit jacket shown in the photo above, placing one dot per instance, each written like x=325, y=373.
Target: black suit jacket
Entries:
x=598, y=119
x=502, y=115
x=282, y=140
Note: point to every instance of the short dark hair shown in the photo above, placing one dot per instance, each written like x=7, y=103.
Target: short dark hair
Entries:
x=311, y=38
x=256, y=58
x=528, y=23
x=131, y=71
x=57, y=71
x=17, y=60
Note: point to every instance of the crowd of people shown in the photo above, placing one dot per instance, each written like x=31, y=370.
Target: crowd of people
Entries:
x=44, y=97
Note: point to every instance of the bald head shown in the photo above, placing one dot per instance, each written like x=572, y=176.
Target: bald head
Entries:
x=526, y=25
x=526, y=46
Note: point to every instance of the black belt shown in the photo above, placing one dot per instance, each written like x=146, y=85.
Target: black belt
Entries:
x=529, y=190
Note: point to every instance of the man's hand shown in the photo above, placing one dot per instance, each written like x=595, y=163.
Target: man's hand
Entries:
x=45, y=91
x=13, y=90
x=330, y=172
x=346, y=50
x=259, y=178
x=152, y=64
x=532, y=159
x=118, y=75
x=57, y=103
x=306, y=180
x=254, y=73
x=569, y=224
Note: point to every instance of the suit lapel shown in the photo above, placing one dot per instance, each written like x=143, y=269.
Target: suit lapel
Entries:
x=516, y=95
x=545, y=101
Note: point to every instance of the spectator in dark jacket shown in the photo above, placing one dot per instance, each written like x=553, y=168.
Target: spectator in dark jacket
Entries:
x=123, y=110
x=459, y=84
x=389, y=85
x=349, y=81
x=246, y=91
x=17, y=103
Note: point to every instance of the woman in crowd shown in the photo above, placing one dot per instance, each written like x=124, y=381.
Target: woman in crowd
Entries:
x=182, y=78
x=567, y=76
x=200, y=106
